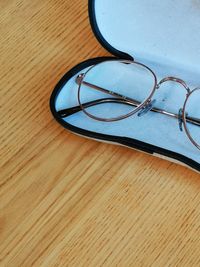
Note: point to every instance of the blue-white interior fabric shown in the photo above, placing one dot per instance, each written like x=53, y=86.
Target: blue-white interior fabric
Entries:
x=163, y=35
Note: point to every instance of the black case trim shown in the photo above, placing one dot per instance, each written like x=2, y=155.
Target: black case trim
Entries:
x=99, y=36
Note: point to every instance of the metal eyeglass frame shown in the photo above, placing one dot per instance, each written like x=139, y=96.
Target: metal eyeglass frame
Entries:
x=141, y=107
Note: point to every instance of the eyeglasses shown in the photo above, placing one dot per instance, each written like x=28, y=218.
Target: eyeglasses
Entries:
x=131, y=86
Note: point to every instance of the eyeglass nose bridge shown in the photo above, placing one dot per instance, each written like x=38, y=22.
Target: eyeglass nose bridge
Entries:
x=176, y=80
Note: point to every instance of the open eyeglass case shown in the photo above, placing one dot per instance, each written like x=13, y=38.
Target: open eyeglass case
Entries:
x=165, y=36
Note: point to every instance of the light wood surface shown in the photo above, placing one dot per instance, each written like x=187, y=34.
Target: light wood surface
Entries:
x=66, y=200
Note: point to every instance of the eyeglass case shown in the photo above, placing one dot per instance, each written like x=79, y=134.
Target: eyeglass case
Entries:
x=164, y=36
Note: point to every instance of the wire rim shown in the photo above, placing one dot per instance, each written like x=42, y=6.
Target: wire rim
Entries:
x=185, y=119
x=143, y=104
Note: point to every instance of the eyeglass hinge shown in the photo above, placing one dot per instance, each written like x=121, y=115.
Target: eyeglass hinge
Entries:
x=79, y=78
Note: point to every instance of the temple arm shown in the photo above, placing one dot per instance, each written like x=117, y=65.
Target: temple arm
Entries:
x=70, y=111
x=119, y=99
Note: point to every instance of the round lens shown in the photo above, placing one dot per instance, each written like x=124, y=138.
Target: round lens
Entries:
x=192, y=117
x=115, y=89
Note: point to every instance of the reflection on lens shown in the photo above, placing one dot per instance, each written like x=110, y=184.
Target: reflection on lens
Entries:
x=192, y=111
x=118, y=87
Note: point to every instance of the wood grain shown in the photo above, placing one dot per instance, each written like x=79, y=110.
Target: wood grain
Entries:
x=66, y=200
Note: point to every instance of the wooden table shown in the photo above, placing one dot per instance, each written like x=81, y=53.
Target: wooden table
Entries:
x=66, y=200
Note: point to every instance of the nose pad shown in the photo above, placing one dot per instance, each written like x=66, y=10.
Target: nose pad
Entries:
x=146, y=108
x=180, y=119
